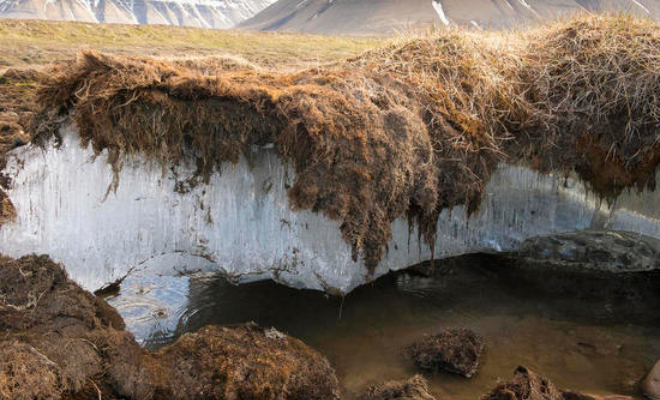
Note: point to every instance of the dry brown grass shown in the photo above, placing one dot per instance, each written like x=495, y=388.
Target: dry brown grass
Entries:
x=400, y=132
x=32, y=43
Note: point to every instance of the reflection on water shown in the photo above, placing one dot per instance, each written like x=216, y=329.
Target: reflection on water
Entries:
x=589, y=333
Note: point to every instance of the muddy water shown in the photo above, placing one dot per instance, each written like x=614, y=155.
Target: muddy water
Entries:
x=597, y=334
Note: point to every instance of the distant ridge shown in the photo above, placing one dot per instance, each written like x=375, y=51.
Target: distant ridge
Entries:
x=383, y=16
x=199, y=13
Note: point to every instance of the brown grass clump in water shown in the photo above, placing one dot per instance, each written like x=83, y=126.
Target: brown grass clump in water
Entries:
x=415, y=388
x=455, y=350
x=403, y=132
x=526, y=385
x=250, y=363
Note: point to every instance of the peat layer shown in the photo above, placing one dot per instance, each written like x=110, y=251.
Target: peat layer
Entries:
x=405, y=131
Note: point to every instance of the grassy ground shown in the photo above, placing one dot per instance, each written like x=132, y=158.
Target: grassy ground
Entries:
x=30, y=43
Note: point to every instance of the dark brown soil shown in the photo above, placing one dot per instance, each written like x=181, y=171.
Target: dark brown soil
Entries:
x=414, y=388
x=58, y=341
x=454, y=350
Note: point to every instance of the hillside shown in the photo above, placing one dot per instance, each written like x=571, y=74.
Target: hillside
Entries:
x=199, y=13
x=383, y=16
x=34, y=43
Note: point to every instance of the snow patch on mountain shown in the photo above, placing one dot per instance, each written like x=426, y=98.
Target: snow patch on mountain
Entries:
x=200, y=13
x=437, y=5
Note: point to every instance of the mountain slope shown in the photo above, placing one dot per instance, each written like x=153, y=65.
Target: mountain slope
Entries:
x=380, y=16
x=199, y=13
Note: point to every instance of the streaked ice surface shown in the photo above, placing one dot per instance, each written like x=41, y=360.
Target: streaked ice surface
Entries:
x=240, y=223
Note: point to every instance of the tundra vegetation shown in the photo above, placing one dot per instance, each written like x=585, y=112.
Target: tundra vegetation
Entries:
x=403, y=131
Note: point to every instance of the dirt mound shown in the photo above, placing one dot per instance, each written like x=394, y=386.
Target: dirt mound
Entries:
x=455, y=350
x=58, y=341
x=414, y=388
x=402, y=132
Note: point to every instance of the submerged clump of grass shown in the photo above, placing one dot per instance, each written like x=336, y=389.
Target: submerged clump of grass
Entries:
x=400, y=132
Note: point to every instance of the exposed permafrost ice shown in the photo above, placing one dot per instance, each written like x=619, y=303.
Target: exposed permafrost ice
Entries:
x=241, y=223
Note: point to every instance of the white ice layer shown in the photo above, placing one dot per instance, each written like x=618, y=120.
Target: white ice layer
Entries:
x=241, y=224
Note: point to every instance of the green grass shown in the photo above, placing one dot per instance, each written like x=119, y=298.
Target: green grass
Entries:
x=29, y=43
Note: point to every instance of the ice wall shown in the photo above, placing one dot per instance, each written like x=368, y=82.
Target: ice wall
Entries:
x=240, y=223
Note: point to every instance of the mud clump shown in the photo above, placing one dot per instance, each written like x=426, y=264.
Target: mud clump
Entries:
x=58, y=341
x=415, y=388
x=454, y=350
x=527, y=385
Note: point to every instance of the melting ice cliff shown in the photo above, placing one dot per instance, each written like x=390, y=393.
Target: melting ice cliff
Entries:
x=241, y=224
x=330, y=177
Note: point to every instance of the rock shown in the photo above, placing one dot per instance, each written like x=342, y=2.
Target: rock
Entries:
x=455, y=350
x=651, y=384
x=414, y=388
x=598, y=251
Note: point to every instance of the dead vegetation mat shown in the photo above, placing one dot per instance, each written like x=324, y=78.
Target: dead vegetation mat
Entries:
x=405, y=131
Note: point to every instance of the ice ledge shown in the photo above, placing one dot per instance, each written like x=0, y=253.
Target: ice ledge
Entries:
x=241, y=224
